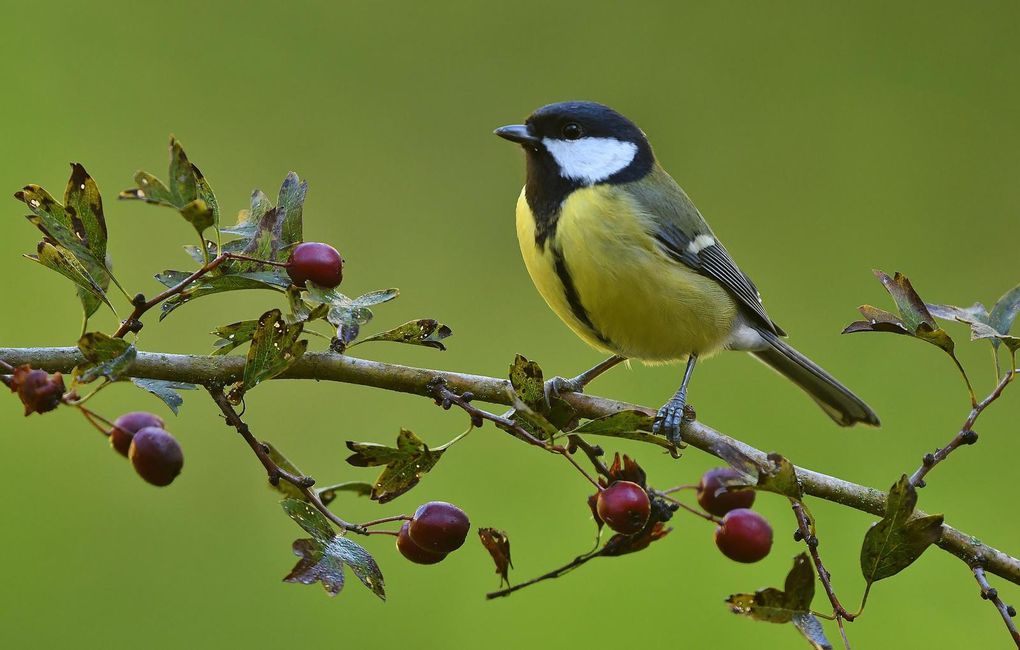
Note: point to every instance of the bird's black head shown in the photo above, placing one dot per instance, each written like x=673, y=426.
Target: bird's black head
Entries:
x=577, y=144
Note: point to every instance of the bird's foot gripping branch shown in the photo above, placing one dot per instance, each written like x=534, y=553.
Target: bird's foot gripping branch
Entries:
x=265, y=250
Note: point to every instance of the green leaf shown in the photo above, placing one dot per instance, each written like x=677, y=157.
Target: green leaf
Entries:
x=311, y=520
x=406, y=463
x=893, y=543
x=528, y=382
x=233, y=336
x=274, y=348
x=291, y=203
x=107, y=357
x=165, y=390
x=1005, y=311
x=189, y=192
x=426, y=332
x=210, y=285
x=63, y=261
x=809, y=626
x=286, y=488
x=324, y=556
x=780, y=606
x=198, y=214
x=345, y=314
x=981, y=331
x=359, y=488
x=779, y=476
x=84, y=207
x=914, y=318
x=628, y=425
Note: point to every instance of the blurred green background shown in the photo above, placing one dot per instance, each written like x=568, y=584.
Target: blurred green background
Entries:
x=821, y=142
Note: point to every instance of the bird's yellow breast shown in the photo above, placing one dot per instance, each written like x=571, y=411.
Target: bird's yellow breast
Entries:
x=637, y=301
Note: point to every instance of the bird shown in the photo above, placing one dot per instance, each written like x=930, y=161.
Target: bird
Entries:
x=621, y=254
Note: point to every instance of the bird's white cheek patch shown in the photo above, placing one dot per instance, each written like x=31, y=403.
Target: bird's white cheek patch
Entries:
x=700, y=243
x=590, y=160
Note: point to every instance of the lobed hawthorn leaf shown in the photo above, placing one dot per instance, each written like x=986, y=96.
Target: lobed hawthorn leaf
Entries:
x=406, y=463
x=78, y=232
x=896, y=541
x=269, y=232
x=426, y=332
x=301, y=311
x=345, y=314
x=54, y=256
x=324, y=556
x=984, y=325
x=809, y=626
x=628, y=425
x=106, y=357
x=165, y=390
x=233, y=336
x=528, y=382
x=497, y=544
x=914, y=318
x=211, y=284
x=774, y=605
x=274, y=348
x=188, y=192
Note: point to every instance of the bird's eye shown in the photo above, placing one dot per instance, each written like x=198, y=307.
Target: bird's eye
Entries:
x=572, y=131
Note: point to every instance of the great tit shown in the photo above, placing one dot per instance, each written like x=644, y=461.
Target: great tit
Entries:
x=623, y=257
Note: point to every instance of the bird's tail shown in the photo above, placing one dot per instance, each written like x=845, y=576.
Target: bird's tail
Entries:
x=835, y=399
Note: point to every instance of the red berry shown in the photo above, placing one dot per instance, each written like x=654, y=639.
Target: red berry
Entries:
x=126, y=426
x=439, y=527
x=412, y=551
x=624, y=506
x=156, y=455
x=320, y=263
x=744, y=536
x=714, y=495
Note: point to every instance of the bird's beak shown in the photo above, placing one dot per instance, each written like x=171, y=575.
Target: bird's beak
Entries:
x=517, y=133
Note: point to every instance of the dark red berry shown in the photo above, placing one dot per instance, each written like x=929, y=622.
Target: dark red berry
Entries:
x=320, y=263
x=624, y=506
x=38, y=390
x=156, y=456
x=714, y=495
x=744, y=536
x=412, y=551
x=127, y=425
x=439, y=527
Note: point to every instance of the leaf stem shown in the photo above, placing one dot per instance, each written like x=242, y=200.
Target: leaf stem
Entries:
x=555, y=573
x=385, y=520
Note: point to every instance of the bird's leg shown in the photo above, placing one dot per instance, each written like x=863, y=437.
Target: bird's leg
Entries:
x=559, y=385
x=670, y=416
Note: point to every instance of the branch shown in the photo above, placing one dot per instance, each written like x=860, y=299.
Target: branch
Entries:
x=966, y=435
x=989, y=592
x=210, y=370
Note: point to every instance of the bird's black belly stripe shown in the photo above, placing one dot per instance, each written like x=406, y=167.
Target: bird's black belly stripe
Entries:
x=573, y=299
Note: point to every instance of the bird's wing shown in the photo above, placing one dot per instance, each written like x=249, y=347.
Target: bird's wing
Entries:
x=682, y=233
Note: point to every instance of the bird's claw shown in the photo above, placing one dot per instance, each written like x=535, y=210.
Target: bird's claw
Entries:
x=558, y=386
x=670, y=417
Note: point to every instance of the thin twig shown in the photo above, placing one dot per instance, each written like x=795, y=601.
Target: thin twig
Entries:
x=693, y=511
x=446, y=398
x=593, y=452
x=419, y=381
x=806, y=531
x=989, y=592
x=133, y=322
x=966, y=435
x=275, y=472
x=555, y=573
